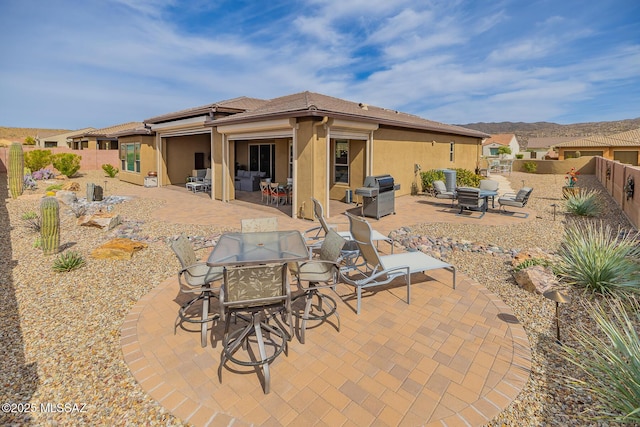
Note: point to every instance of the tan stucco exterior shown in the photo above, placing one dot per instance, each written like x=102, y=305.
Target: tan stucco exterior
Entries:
x=147, y=158
x=630, y=155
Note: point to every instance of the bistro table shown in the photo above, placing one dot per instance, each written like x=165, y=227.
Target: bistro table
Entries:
x=258, y=248
x=489, y=193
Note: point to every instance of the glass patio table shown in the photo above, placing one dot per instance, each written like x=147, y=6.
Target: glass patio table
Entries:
x=489, y=193
x=258, y=248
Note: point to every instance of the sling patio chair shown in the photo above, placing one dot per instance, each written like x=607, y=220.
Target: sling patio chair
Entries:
x=253, y=225
x=200, y=184
x=518, y=200
x=195, y=277
x=382, y=270
x=316, y=274
x=255, y=294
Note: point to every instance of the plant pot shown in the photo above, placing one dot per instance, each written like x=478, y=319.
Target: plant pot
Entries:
x=570, y=191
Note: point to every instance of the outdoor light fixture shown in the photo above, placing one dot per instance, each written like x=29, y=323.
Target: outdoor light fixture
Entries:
x=554, y=211
x=558, y=297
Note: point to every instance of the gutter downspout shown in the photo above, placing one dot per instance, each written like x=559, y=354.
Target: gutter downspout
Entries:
x=323, y=122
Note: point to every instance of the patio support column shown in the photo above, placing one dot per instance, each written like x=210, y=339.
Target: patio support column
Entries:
x=158, y=157
x=294, y=173
x=327, y=208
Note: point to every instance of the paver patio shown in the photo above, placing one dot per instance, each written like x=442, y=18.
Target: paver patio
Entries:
x=452, y=357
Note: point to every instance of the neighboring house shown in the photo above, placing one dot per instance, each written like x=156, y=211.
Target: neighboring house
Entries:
x=60, y=139
x=101, y=139
x=491, y=145
x=541, y=148
x=326, y=145
x=623, y=147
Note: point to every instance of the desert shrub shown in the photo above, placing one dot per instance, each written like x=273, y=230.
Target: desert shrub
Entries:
x=504, y=150
x=37, y=159
x=519, y=156
x=595, y=258
x=41, y=174
x=584, y=203
x=110, y=170
x=67, y=163
x=31, y=221
x=29, y=183
x=54, y=187
x=78, y=209
x=68, y=261
x=531, y=262
x=429, y=176
x=609, y=361
x=467, y=178
x=530, y=167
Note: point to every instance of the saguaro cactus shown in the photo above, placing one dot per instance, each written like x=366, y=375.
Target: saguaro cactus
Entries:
x=50, y=225
x=16, y=170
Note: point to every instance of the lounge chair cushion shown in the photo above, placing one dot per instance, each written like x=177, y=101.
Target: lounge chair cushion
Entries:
x=522, y=193
x=416, y=261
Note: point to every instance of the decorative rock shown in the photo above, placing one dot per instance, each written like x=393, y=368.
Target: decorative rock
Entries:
x=118, y=249
x=71, y=186
x=520, y=257
x=100, y=220
x=536, y=279
x=67, y=197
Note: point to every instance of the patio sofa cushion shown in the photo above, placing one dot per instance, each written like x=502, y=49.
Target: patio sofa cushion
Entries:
x=249, y=180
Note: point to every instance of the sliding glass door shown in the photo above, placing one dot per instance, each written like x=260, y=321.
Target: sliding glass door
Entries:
x=262, y=157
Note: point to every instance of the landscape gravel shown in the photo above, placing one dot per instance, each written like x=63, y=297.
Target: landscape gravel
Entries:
x=60, y=331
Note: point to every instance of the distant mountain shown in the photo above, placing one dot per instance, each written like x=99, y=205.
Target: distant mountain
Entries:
x=524, y=131
x=19, y=134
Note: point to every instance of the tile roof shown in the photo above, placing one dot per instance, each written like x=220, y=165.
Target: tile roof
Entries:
x=305, y=104
x=500, y=138
x=113, y=129
x=70, y=134
x=547, y=141
x=235, y=105
x=623, y=139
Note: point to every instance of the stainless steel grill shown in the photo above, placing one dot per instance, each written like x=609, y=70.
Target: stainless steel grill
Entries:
x=378, y=196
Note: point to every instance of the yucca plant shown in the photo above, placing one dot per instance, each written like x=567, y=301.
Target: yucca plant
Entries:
x=584, y=203
x=597, y=259
x=68, y=261
x=610, y=361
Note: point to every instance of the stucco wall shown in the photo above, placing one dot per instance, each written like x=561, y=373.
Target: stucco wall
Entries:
x=584, y=165
x=91, y=159
x=147, y=158
x=615, y=181
x=180, y=156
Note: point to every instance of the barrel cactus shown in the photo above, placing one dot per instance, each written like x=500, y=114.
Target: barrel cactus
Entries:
x=50, y=225
x=16, y=170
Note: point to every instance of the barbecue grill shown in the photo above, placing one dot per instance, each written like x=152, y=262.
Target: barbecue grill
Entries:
x=378, y=196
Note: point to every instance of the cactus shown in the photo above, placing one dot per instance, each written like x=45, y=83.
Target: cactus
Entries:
x=50, y=225
x=16, y=170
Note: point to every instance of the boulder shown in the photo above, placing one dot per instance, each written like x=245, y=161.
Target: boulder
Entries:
x=71, y=186
x=118, y=248
x=536, y=279
x=67, y=197
x=100, y=220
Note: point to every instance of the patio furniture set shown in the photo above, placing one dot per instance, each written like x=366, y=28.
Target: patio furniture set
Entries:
x=199, y=182
x=252, y=271
x=276, y=193
x=477, y=199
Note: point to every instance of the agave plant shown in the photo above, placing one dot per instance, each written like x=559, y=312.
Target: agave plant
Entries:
x=68, y=261
x=584, y=203
x=609, y=361
x=599, y=260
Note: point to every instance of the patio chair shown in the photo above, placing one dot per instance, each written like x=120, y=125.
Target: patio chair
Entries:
x=278, y=193
x=200, y=184
x=253, y=225
x=469, y=198
x=195, y=277
x=315, y=235
x=382, y=270
x=441, y=192
x=265, y=192
x=254, y=293
x=319, y=273
x=518, y=200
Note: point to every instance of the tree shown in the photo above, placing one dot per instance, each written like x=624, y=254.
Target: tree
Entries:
x=29, y=140
x=504, y=150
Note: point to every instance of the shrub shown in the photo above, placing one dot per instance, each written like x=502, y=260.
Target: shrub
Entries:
x=530, y=263
x=519, y=156
x=68, y=261
x=110, y=170
x=467, y=178
x=504, y=150
x=429, y=176
x=29, y=183
x=598, y=260
x=41, y=174
x=31, y=220
x=584, y=203
x=29, y=140
x=78, y=209
x=67, y=163
x=54, y=187
x=37, y=159
x=530, y=167
x=610, y=362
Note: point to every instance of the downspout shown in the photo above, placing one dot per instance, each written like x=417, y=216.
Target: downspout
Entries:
x=323, y=122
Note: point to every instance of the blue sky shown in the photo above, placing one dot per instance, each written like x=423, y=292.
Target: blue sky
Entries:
x=72, y=64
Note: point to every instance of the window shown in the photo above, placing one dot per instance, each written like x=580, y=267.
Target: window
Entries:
x=130, y=157
x=290, y=159
x=451, y=151
x=493, y=151
x=341, y=162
